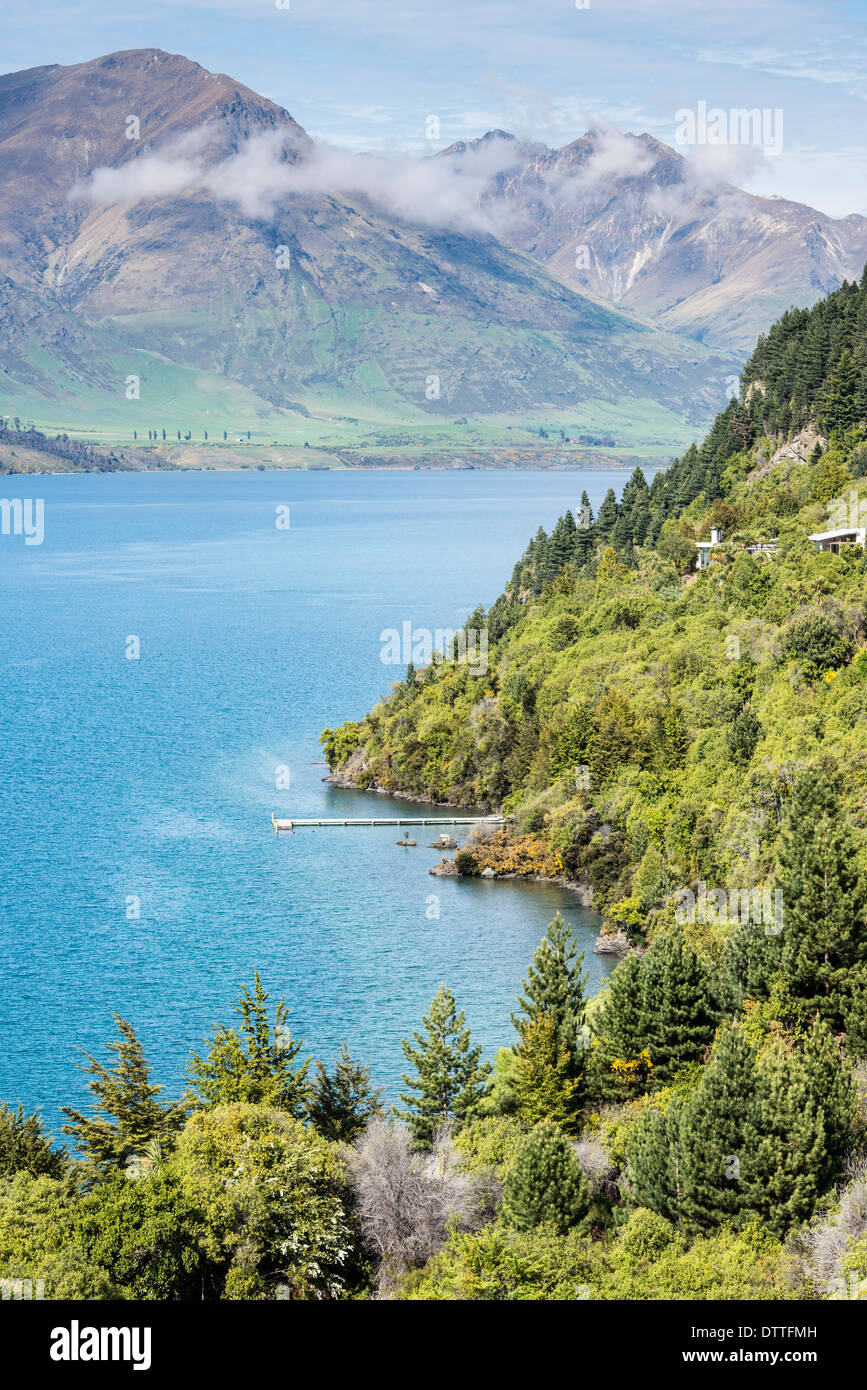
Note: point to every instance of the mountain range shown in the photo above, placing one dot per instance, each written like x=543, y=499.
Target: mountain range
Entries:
x=176, y=253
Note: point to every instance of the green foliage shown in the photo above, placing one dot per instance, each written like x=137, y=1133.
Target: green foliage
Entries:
x=344, y=1101
x=449, y=1081
x=546, y=1082
x=37, y=1220
x=127, y=1098
x=252, y=1062
x=545, y=1184
x=824, y=940
x=143, y=1235
x=554, y=985
x=749, y=1142
x=270, y=1201
x=24, y=1147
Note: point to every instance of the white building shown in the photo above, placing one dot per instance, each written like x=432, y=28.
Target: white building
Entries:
x=704, y=548
x=835, y=540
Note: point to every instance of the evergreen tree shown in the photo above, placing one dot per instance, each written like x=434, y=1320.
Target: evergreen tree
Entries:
x=545, y=1084
x=344, y=1102
x=833, y=1090
x=824, y=940
x=654, y=1162
x=449, y=1081
x=839, y=397
x=251, y=1062
x=749, y=1141
x=607, y=517
x=751, y=958
x=555, y=985
x=678, y=1008
x=545, y=1183
x=791, y=1155
x=583, y=539
x=25, y=1148
x=619, y=1021
x=719, y=1132
x=124, y=1095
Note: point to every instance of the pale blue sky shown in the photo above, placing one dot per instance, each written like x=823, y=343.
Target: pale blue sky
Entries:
x=366, y=74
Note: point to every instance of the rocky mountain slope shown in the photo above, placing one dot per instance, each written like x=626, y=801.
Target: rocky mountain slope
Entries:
x=634, y=222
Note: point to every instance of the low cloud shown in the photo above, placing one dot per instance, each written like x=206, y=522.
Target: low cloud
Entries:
x=269, y=169
x=457, y=190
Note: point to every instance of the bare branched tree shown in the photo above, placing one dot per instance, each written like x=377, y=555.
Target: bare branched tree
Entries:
x=408, y=1201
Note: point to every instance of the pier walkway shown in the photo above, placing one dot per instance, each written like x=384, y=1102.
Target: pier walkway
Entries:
x=301, y=823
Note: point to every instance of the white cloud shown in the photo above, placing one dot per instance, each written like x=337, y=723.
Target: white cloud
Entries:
x=267, y=169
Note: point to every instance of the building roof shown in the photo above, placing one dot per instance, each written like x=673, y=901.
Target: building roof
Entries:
x=839, y=534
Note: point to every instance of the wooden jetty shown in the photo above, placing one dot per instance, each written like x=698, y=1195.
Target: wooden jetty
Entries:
x=298, y=823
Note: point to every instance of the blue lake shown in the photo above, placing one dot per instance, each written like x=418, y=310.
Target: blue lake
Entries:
x=154, y=779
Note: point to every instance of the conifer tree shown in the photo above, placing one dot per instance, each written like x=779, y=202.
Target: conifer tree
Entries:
x=344, y=1101
x=127, y=1115
x=654, y=1162
x=824, y=939
x=545, y=1183
x=719, y=1132
x=555, y=985
x=25, y=1148
x=791, y=1157
x=449, y=1082
x=545, y=1083
x=583, y=539
x=607, y=516
x=620, y=1018
x=251, y=1062
x=679, y=1011
x=833, y=1089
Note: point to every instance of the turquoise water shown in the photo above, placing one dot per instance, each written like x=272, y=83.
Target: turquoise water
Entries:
x=147, y=785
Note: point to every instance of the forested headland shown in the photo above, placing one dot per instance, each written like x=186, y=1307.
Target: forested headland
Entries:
x=691, y=746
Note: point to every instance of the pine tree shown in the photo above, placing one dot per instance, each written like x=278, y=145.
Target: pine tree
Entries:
x=25, y=1148
x=544, y=1081
x=678, y=1009
x=620, y=1018
x=607, y=516
x=583, y=540
x=555, y=985
x=751, y=958
x=251, y=1063
x=125, y=1095
x=654, y=1162
x=450, y=1081
x=719, y=1132
x=839, y=398
x=791, y=1156
x=545, y=1183
x=824, y=940
x=833, y=1089
x=344, y=1102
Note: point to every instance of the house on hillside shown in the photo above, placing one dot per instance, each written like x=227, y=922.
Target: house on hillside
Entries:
x=837, y=540
x=703, y=548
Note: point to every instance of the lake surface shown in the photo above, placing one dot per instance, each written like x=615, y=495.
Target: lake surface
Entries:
x=147, y=785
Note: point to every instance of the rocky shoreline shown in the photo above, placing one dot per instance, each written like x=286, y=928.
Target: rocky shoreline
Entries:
x=616, y=944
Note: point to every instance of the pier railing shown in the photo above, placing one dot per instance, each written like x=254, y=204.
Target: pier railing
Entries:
x=297, y=823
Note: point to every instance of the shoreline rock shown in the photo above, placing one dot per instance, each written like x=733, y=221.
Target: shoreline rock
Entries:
x=615, y=945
